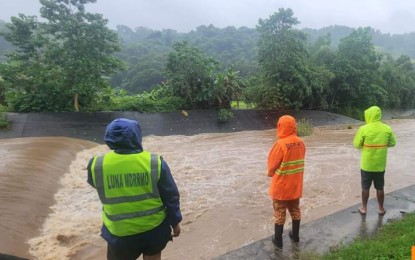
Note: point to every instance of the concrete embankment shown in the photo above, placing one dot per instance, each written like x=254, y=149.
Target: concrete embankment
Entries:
x=91, y=126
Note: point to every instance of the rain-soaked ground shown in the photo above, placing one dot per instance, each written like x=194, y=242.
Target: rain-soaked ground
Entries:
x=223, y=185
x=329, y=232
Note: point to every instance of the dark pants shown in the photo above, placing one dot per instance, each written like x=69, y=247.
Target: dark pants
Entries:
x=378, y=179
x=131, y=247
x=119, y=253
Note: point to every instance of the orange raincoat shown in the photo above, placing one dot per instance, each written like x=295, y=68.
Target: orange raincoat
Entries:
x=286, y=162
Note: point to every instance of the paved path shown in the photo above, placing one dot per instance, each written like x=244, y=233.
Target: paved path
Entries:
x=329, y=232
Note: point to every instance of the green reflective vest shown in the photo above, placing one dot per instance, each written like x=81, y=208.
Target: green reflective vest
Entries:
x=127, y=188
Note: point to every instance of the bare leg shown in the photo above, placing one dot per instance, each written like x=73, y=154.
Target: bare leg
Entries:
x=152, y=257
x=381, y=197
x=365, y=198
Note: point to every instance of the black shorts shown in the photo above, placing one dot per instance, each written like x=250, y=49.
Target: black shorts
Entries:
x=376, y=177
x=119, y=253
x=148, y=243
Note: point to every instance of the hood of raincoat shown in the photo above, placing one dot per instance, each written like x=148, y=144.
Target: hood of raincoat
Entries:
x=373, y=114
x=286, y=126
x=124, y=135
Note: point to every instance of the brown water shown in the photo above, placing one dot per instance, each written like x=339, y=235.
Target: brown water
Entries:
x=221, y=177
x=30, y=169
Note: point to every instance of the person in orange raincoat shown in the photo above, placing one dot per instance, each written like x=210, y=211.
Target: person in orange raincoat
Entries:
x=286, y=168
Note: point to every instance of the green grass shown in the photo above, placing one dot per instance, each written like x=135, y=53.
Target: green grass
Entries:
x=393, y=241
x=242, y=105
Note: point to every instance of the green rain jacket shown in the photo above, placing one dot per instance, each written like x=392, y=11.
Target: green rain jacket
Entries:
x=373, y=139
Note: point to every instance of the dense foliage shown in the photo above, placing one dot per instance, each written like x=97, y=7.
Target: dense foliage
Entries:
x=62, y=60
x=4, y=121
x=70, y=57
x=289, y=79
x=191, y=75
x=146, y=52
x=355, y=66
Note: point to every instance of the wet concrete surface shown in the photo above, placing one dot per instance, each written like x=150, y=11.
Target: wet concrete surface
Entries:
x=10, y=257
x=328, y=233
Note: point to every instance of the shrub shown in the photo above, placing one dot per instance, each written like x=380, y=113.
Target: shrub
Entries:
x=304, y=127
x=4, y=121
x=144, y=103
x=225, y=115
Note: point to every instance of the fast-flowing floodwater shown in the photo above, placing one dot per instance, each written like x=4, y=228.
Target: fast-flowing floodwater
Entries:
x=221, y=177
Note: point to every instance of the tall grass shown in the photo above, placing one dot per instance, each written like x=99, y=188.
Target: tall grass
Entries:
x=4, y=121
x=304, y=127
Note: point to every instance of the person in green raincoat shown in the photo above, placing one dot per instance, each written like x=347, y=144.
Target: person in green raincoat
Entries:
x=373, y=139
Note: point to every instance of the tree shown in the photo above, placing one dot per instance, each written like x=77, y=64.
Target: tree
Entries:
x=228, y=86
x=5, y=46
x=322, y=58
x=399, y=82
x=321, y=52
x=191, y=75
x=73, y=45
x=81, y=44
x=33, y=84
x=23, y=33
x=147, y=60
x=2, y=92
x=287, y=76
x=356, y=68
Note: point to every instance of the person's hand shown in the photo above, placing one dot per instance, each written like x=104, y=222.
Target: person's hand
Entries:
x=176, y=230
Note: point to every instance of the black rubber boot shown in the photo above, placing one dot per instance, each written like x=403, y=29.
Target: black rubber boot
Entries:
x=294, y=234
x=277, y=238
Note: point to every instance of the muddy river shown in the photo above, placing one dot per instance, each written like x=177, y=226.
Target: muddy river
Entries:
x=48, y=211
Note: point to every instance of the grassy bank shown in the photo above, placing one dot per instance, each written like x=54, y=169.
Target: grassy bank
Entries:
x=393, y=241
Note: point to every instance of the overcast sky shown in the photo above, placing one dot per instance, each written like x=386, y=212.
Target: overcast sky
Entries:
x=389, y=16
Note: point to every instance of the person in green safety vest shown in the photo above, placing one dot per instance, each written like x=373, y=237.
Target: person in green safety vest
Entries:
x=140, y=199
x=373, y=139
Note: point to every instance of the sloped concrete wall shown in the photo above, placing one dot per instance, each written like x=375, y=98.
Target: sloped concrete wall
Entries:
x=91, y=126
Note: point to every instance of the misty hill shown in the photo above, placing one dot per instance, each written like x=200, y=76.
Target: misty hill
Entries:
x=145, y=50
x=393, y=44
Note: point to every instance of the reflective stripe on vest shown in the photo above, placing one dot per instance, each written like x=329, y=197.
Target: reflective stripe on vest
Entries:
x=290, y=167
x=134, y=214
x=99, y=179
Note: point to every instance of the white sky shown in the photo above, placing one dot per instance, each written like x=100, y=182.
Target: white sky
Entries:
x=389, y=16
